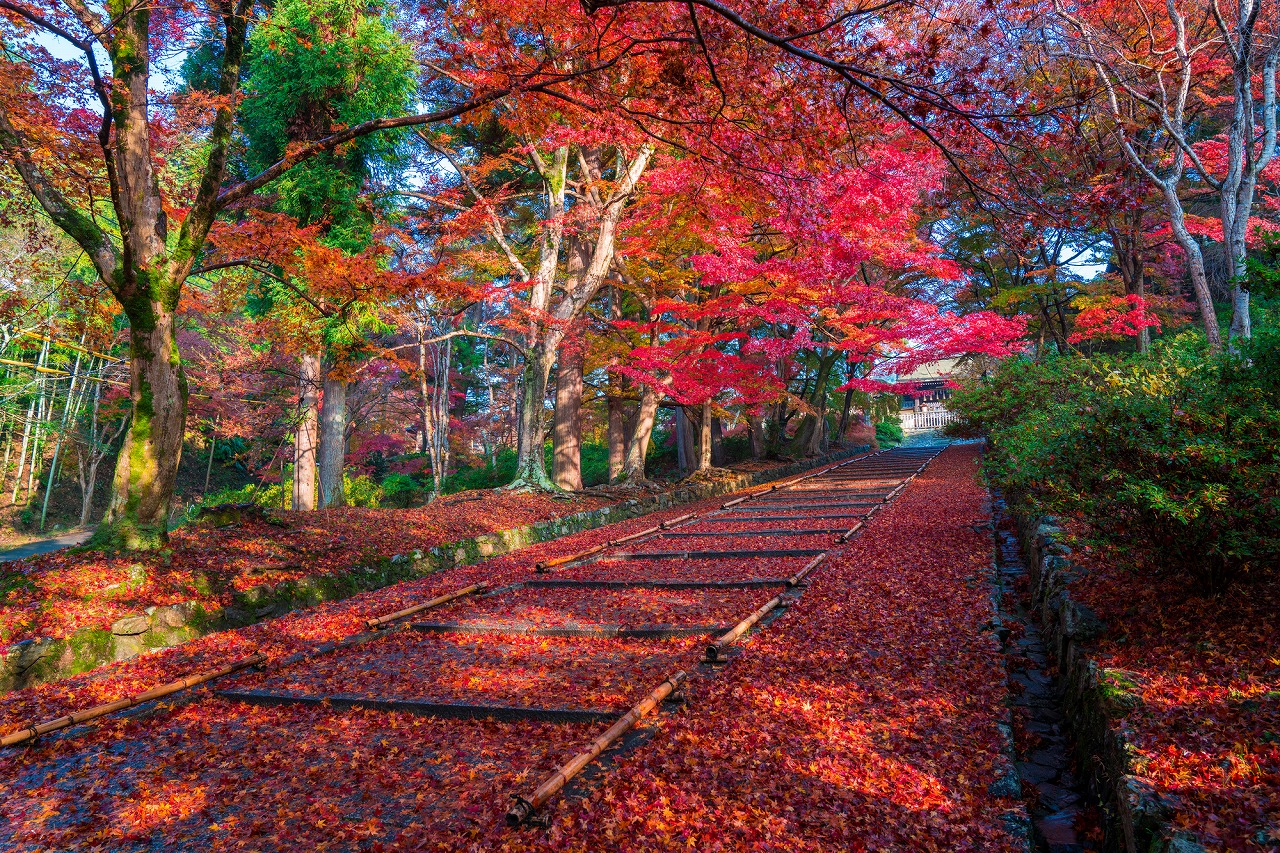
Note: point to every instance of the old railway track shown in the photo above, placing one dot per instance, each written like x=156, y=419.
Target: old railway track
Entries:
x=604, y=636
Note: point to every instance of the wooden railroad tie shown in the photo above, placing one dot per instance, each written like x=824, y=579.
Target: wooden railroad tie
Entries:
x=749, y=583
x=603, y=632
x=421, y=708
x=782, y=531
x=713, y=555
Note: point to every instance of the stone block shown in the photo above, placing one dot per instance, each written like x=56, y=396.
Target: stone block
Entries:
x=131, y=626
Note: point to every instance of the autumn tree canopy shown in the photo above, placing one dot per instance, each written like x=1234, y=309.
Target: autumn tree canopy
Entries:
x=338, y=232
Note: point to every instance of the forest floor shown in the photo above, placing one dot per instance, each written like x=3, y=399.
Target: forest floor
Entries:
x=1198, y=689
x=54, y=594
x=865, y=717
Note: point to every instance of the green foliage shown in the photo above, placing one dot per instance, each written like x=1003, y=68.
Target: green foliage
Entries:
x=362, y=491
x=314, y=67
x=266, y=496
x=400, y=490
x=889, y=432
x=1172, y=458
x=595, y=470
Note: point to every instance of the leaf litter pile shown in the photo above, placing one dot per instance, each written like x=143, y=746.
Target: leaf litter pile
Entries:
x=1201, y=704
x=864, y=718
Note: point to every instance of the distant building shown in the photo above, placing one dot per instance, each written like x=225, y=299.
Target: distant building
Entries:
x=926, y=408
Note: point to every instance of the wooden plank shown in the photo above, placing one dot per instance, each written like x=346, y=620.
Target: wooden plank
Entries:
x=713, y=555
x=814, y=531
x=654, y=632
x=750, y=583
x=446, y=710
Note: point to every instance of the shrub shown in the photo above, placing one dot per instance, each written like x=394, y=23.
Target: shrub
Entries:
x=267, y=496
x=1172, y=458
x=362, y=491
x=889, y=433
x=399, y=490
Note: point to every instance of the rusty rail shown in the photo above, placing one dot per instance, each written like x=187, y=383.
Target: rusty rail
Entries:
x=31, y=732
x=525, y=806
x=382, y=621
x=715, y=651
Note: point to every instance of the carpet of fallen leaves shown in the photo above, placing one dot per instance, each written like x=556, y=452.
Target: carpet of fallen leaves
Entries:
x=864, y=718
x=1207, y=728
x=557, y=672
x=629, y=608
x=55, y=594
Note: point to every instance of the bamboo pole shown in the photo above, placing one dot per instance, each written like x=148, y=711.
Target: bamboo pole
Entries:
x=795, y=579
x=525, y=806
x=715, y=651
x=22, y=456
x=844, y=537
x=672, y=522
x=381, y=621
x=648, y=531
x=736, y=501
x=97, y=711
x=546, y=565
x=72, y=405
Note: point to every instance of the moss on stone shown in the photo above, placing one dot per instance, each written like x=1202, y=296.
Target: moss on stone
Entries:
x=89, y=648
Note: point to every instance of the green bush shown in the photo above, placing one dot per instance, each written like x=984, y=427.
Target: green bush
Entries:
x=267, y=496
x=400, y=490
x=1172, y=458
x=889, y=433
x=362, y=491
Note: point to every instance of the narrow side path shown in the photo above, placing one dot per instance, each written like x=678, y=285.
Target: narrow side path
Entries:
x=46, y=546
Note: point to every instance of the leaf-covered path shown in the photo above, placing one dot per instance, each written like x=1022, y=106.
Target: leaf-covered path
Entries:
x=863, y=716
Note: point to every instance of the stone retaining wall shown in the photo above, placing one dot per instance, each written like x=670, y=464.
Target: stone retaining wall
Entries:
x=47, y=659
x=1096, y=698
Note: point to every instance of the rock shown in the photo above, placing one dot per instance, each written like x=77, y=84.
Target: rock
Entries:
x=171, y=616
x=1036, y=773
x=1007, y=785
x=227, y=514
x=1183, y=843
x=1058, y=829
x=1081, y=623
x=131, y=626
x=126, y=647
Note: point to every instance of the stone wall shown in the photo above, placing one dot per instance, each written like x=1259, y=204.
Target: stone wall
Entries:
x=1096, y=698
x=48, y=659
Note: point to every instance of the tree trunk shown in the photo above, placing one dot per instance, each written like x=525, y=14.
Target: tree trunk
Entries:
x=704, y=437
x=147, y=468
x=617, y=438
x=333, y=441
x=717, y=443
x=686, y=453
x=567, y=437
x=531, y=464
x=304, y=447
x=757, y=436
x=638, y=446
x=1195, y=267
